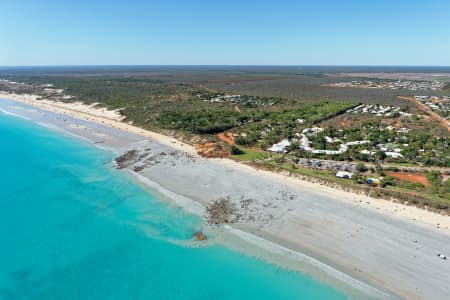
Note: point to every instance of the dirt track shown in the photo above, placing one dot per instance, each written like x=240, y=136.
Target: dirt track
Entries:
x=435, y=116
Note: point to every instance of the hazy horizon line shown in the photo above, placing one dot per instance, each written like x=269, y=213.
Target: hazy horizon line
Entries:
x=221, y=65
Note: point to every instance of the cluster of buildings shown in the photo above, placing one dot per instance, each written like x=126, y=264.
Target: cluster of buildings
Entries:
x=252, y=101
x=305, y=143
x=13, y=84
x=376, y=109
x=399, y=130
x=50, y=91
x=392, y=85
x=280, y=147
x=344, y=170
x=441, y=103
x=44, y=90
x=391, y=150
x=224, y=98
x=330, y=165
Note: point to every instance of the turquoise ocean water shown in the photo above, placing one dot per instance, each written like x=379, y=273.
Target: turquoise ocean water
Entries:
x=71, y=227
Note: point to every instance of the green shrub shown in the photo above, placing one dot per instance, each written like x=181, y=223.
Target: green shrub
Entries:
x=236, y=150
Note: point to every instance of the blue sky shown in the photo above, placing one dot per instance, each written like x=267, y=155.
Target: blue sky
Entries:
x=228, y=32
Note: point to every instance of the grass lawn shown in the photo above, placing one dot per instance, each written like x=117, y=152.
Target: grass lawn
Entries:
x=424, y=195
x=398, y=164
x=250, y=155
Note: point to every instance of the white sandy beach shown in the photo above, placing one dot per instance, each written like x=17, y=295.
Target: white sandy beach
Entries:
x=97, y=115
x=385, y=244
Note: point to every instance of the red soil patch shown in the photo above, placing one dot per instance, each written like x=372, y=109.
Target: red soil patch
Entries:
x=411, y=177
x=211, y=150
x=226, y=137
x=344, y=123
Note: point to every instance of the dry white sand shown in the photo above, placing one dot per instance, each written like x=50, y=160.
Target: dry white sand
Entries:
x=385, y=244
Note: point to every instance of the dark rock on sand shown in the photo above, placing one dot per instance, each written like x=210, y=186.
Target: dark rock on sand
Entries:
x=138, y=168
x=126, y=159
x=221, y=211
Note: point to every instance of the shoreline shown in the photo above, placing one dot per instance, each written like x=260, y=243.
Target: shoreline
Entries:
x=425, y=219
x=237, y=239
x=311, y=266
x=255, y=246
x=92, y=114
x=423, y=216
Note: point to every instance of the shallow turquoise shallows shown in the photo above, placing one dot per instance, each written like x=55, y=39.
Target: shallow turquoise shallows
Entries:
x=71, y=227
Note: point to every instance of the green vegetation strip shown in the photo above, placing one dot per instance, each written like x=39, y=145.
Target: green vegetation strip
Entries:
x=250, y=155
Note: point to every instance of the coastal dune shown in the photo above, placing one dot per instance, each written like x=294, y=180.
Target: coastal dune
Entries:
x=384, y=244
